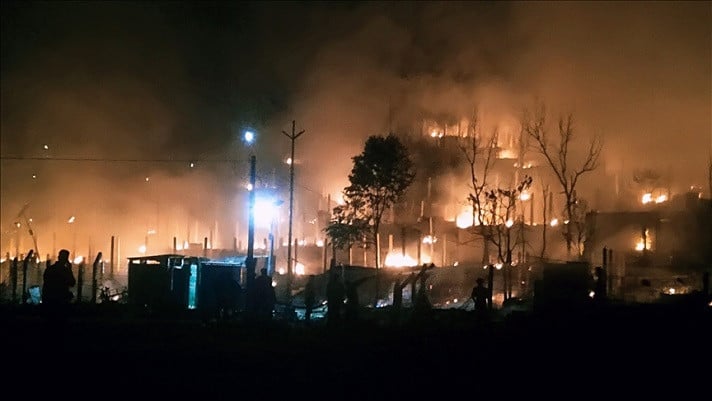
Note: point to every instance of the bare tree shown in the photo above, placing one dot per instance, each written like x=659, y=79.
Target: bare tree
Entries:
x=546, y=195
x=480, y=159
x=501, y=212
x=557, y=156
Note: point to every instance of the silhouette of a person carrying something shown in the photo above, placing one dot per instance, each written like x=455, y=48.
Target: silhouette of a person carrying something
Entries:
x=58, y=280
x=309, y=298
x=335, y=293
x=265, y=296
x=480, y=297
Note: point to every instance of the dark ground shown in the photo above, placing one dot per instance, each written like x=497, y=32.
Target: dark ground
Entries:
x=640, y=351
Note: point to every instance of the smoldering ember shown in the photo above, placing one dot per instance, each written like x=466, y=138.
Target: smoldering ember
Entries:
x=378, y=199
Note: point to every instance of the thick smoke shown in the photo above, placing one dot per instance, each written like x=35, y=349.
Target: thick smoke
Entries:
x=139, y=81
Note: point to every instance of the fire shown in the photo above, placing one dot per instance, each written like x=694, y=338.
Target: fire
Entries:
x=397, y=259
x=640, y=245
x=465, y=219
x=647, y=198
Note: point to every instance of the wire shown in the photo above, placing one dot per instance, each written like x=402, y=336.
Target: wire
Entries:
x=92, y=159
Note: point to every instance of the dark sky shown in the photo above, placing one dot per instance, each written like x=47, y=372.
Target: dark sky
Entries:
x=179, y=79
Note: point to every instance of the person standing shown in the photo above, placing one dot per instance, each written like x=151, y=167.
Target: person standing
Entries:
x=480, y=296
x=334, y=298
x=58, y=280
x=266, y=297
x=309, y=298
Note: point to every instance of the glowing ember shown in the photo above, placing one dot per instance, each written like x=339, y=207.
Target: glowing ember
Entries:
x=428, y=239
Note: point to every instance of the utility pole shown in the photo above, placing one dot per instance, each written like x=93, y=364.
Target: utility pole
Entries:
x=250, y=260
x=293, y=137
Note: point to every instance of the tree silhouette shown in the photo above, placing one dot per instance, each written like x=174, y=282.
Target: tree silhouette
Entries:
x=558, y=157
x=379, y=177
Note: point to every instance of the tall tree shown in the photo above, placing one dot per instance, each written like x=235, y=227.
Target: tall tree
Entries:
x=379, y=177
x=558, y=157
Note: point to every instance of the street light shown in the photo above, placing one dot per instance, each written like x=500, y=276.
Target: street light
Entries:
x=249, y=138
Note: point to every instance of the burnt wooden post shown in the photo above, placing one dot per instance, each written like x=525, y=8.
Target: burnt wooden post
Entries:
x=80, y=281
x=25, y=262
x=13, y=279
x=94, y=270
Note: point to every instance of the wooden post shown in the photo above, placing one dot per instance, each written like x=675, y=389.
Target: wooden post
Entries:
x=94, y=281
x=24, y=275
x=13, y=278
x=111, y=258
x=80, y=281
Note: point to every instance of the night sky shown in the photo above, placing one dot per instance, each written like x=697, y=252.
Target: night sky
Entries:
x=179, y=80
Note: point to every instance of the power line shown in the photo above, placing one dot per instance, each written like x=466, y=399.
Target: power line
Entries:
x=112, y=160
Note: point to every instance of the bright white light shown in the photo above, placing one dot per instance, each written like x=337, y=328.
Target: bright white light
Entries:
x=71, y=220
x=509, y=223
x=148, y=179
x=524, y=196
x=281, y=270
x=192, y=164
x=320, y=243
x=592, y=294
x=429, y=239
x=299, y=269
x=78, y=260
x=647, y=198
x=46, y=147
x=265, y=211
x=289, y=160
x=248, y=186
x=142, y=249
x=249, y=137
x=661, y=199
x=498, y=266
x=465, y=219
x=554, y=222
x=671, y=291
x=302, y=242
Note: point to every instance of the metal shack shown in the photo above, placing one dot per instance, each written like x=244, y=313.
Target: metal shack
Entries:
x=177, y=282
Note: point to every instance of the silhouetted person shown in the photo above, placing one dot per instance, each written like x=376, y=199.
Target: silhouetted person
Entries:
x=265, y=296
x=352, y=301
x=309, y=298
x=58, y=280
x=422, y=308
x=335, y=293
x=228, y=295
x=481, y=298
x=600, y=293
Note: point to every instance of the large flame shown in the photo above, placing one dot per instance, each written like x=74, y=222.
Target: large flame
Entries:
x=398, y=259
